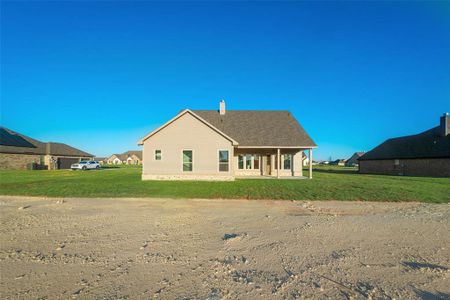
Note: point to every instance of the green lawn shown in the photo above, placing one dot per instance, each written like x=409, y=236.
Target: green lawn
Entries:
x=328, y=184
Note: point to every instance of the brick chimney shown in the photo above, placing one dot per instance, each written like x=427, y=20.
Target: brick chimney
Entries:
x=445, y=124
x=222, y=107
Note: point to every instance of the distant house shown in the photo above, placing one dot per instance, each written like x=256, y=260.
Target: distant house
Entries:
x=115, y=159
x=132, y=157
x=101, y=160
x=353, y=160
x=338, y=162
x=423, y=154
x=223, y=144
x=18, y=151
x=305, y=160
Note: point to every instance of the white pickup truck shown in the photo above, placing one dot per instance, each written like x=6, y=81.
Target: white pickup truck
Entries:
x=85, y=165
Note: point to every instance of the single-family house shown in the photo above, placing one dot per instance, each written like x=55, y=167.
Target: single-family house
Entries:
x=224, y=144
x=353, y=160
x=115, y=159
x=305, y=160
x=101, y=160
x=18, y=151
x=423, y=154
x=338, y=162
x=132, y=157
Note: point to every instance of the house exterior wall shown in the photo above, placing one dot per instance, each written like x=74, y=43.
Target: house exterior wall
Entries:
x=435, y=167
x=113, y=160
x=134, y=160
x=186, y=133
x=17, y=161
x=20, y=161
x=51, y=160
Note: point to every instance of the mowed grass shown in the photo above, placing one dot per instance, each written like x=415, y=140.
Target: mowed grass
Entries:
x=328, y=184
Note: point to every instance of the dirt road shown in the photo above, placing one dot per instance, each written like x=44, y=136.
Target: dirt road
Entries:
x=222, y=249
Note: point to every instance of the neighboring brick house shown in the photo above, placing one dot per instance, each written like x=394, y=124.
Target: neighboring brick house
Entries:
x=225, y=144
x=353, y=160
x=18, y=151
x=132, y=157
x=423, y=154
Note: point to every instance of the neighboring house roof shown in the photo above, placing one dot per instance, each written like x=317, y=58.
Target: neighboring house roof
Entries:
x=16, y=143
x=10, y=138
x=100, y=158
x=118, y=156
x=355, y=156
x=428, y=144
x=66, y=150
x=337, y=161
x=259, y=127
x=137, y=153
x=124, y=156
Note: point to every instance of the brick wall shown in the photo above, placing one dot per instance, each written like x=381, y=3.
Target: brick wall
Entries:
x=17, y=161
x=436, y=167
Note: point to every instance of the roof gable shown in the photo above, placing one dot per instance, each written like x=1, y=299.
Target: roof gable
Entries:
x=141, y=142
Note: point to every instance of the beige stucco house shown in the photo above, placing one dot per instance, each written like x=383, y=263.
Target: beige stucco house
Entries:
x=223, y=145
x=132, y=157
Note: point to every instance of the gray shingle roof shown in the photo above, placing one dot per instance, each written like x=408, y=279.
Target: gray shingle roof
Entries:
x=428, y=144
x=259, y=127
x=66, y=150
x=26, y=145
x=138, y=153
x=125, y=155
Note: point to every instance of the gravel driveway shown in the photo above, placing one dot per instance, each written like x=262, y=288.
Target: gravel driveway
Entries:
x=222, y=249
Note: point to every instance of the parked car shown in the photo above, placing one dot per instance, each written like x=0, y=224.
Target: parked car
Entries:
x=86, y=165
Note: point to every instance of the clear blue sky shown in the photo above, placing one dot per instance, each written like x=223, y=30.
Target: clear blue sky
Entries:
x=100, y=75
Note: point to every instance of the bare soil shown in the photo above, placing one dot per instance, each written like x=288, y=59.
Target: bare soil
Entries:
x=222, y=249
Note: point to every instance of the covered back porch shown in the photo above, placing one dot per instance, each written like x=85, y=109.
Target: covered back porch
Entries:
x=272, y=162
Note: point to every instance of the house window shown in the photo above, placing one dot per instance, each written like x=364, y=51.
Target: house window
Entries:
x=256, y=162
x=240, y=162
x=187, y=160
x=248, y=161
x=157, y=154
x=287, y=161
x=223, y=161
x=396, y=162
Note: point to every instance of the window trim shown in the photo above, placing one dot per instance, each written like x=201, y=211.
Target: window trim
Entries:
x=160, y=155
x=218, y=160
x=182, y=162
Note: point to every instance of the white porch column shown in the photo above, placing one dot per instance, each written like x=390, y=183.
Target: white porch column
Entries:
x=310, y=163
x=278, y=163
